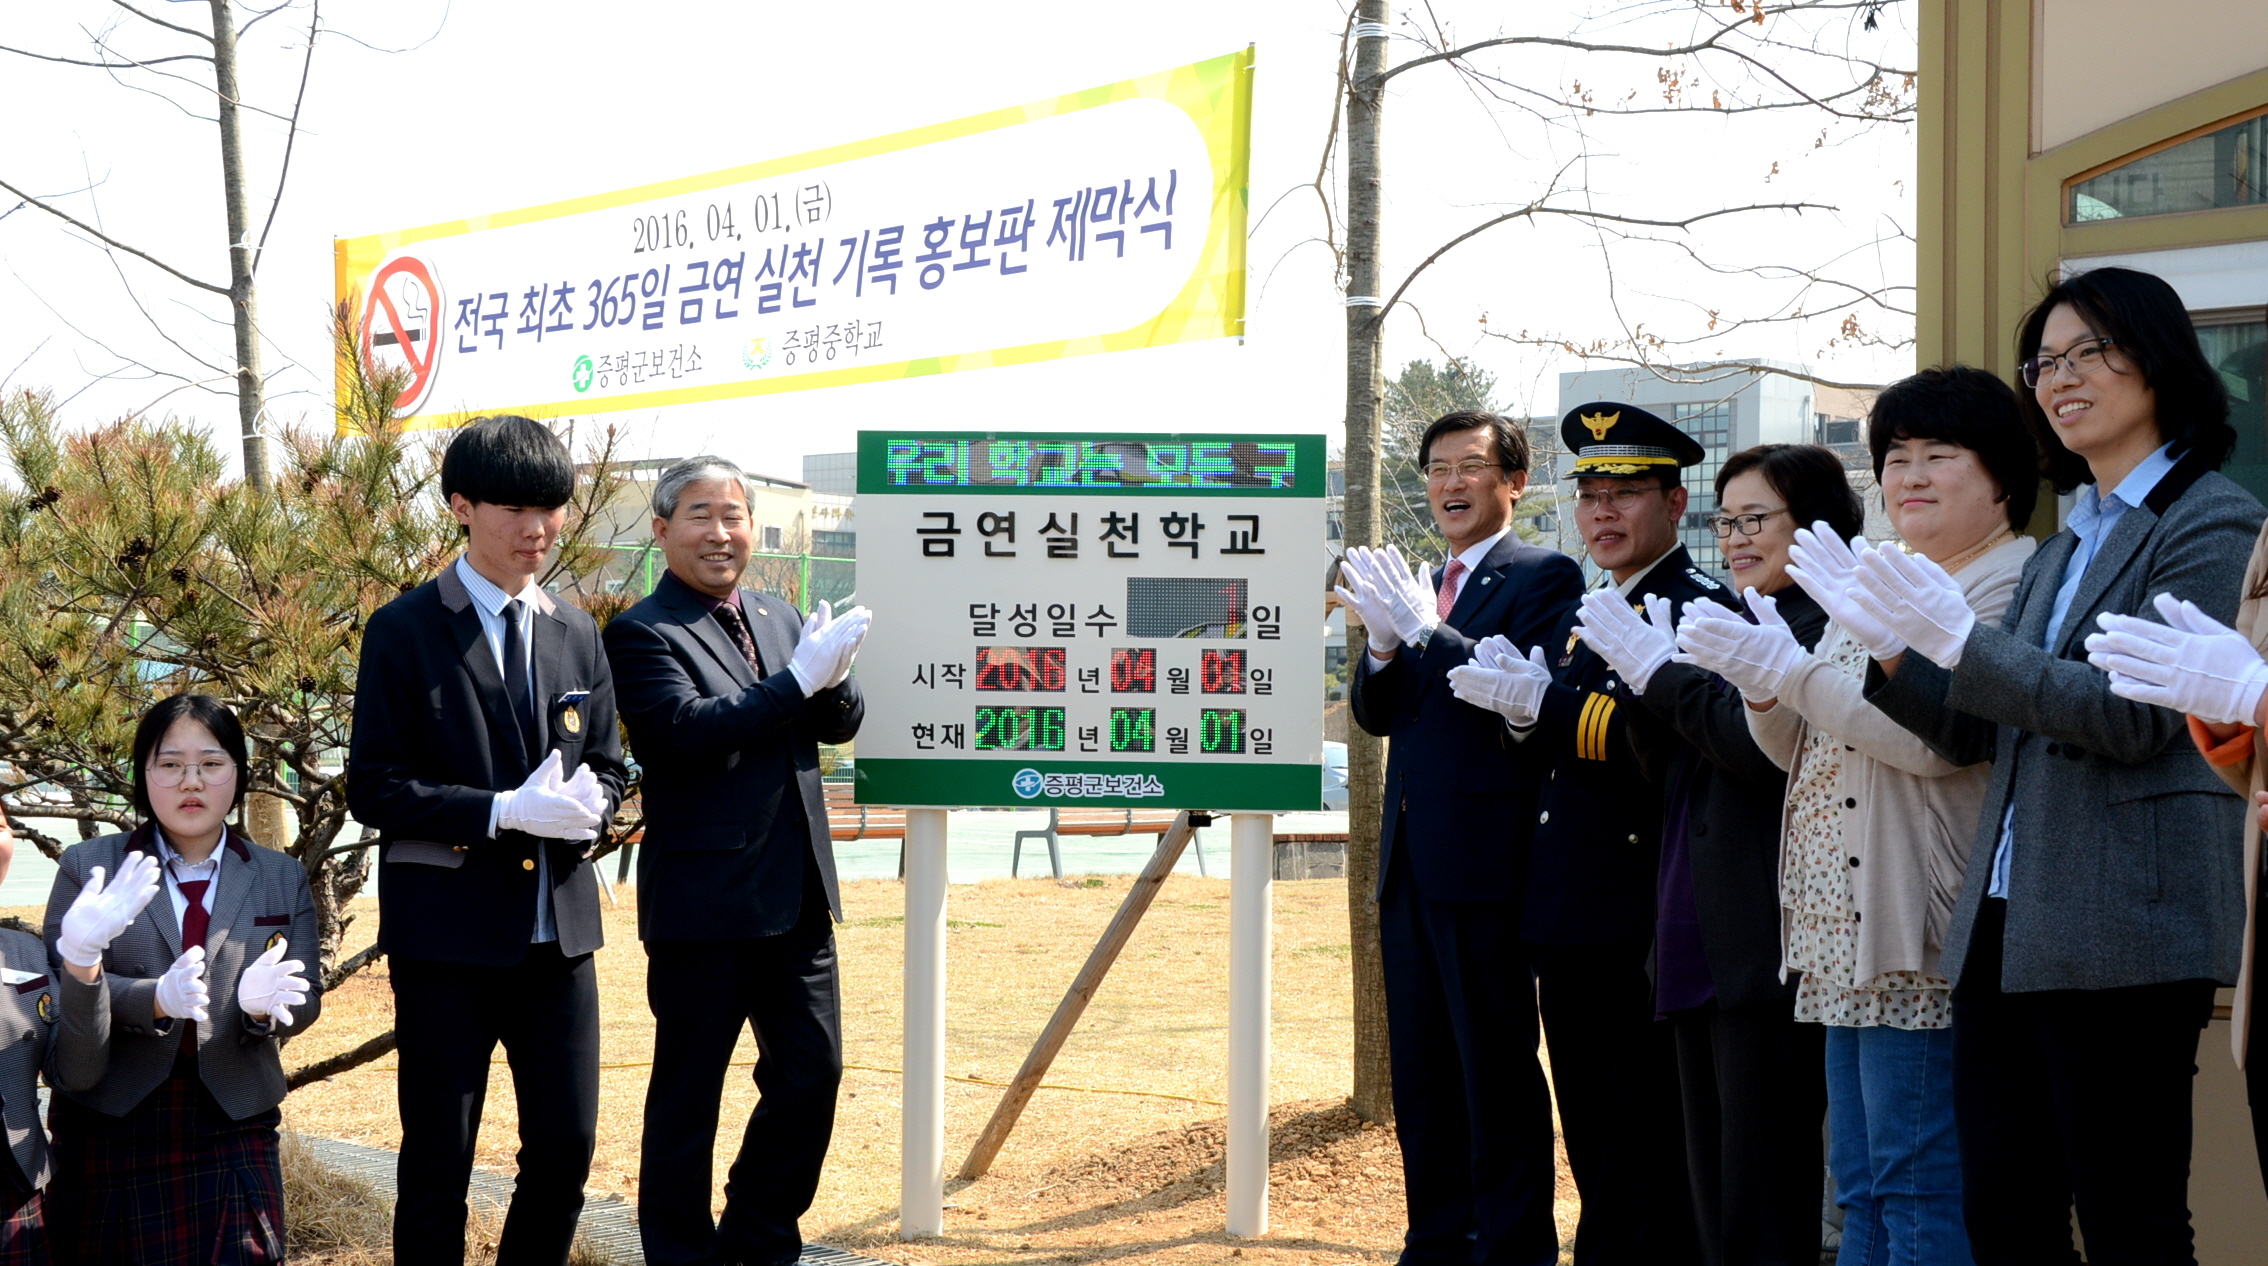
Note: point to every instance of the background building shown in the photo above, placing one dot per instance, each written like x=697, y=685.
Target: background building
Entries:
x=1725, y=412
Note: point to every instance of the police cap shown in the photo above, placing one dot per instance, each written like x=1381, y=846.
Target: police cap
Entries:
x=1611, y=440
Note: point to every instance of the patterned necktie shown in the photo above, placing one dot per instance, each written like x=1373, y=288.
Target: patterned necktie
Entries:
x=1449, y=586
x=195, y=921
x=729, y=616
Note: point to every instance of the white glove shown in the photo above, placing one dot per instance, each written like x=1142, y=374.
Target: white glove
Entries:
x=849, y=632
x=1917, y=601
x=1408, y=595
x=1507, y=685
x=1362, y=598
x=1631, y=646
x=1755, y=658
x=823, y=658
x=587, y=791
x=1827, y=569
x=272, y=986
x=543, y=806
x=181, y=991
x=2198, y=665
x=101, y=911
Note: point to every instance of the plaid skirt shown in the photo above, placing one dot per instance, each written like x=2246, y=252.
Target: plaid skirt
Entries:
x=23, y=1229
x=175, y=1182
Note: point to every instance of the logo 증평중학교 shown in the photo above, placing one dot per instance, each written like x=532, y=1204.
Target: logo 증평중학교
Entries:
x=1027, y=783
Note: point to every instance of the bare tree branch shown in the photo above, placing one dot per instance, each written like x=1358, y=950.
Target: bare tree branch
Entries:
x=145, y=256
x=344, y=1061
x=283, y=171
x=185, y=30
x=73, y=61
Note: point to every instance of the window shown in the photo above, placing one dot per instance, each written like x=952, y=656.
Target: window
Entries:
x=2220, y=168
x=2237, y=345
x=772, y=539
x=1711, y=426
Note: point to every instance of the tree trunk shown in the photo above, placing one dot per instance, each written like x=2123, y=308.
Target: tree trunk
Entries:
x=1366, y=400
x=251, y=392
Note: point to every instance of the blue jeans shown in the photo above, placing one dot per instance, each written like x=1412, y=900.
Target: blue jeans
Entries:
x=1897, y=1163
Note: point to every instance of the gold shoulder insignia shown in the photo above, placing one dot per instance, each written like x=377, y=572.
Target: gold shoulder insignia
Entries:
x=1601, y=423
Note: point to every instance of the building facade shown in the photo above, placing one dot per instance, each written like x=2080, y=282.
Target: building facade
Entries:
x=2060, y=135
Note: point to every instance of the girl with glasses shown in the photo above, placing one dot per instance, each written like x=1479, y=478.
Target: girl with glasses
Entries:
x=170, y=1152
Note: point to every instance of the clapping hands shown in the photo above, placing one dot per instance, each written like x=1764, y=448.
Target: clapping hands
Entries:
x=828, y=647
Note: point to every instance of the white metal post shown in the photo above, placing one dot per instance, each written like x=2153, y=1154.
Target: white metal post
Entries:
x=921, y=1180
x=1252, y=873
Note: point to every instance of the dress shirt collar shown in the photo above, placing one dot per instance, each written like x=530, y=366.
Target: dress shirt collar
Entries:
x=1472, y=556
x=2090, y=509
x=486, y=594
x=709, y=601
x=176, y=863
x=1630, y=586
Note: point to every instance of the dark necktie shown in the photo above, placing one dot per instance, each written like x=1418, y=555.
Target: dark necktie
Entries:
x=195, y=921
x=516, y=680
x=729, y=616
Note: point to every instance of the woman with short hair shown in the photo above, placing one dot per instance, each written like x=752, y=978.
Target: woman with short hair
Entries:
x=2105, y=896
x=1875, y=834
x=171, y=1154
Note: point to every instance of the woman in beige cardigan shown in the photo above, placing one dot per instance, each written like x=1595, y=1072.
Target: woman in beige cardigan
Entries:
x=2195, y=664
x=1875, y=833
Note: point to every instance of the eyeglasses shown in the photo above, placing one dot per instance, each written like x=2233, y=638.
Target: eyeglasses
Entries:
x=1438, y=472
x=1622, y=499
x=1725, y=525
x=211, y=773
x=2084, y=359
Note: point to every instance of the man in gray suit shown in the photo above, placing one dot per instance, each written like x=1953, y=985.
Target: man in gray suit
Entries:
x=727, y=694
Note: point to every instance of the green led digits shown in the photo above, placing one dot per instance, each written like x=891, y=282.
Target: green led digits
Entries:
x=1008, y=728
x=1133, y=729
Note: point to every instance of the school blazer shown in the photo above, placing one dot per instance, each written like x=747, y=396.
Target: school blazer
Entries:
x=2242, y=762
x=263, y=894
x=49, y=1022
x=1460, y=795
x=434, y=741
x=723, y=757
x=2127, y=864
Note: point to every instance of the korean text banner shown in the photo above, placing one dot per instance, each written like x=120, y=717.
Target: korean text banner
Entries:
x=1094, y=222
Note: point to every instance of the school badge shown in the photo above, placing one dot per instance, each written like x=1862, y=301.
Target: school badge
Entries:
x=47, y=1007
x=572, y=721
x=274, y=940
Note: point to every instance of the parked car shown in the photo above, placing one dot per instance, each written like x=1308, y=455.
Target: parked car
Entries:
x=1335, y=776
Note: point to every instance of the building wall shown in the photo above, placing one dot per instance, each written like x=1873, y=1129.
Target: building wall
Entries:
x=2021, y=99
x=1726, y=413
x=2186, y=47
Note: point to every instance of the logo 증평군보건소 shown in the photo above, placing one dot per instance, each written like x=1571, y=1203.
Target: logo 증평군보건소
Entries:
x=1027, y=783
x=583, y=371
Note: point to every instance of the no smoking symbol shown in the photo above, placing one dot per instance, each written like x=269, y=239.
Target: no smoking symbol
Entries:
x=398, y=327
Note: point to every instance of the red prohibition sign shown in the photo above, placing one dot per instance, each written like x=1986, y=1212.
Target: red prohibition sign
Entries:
x=404, y=335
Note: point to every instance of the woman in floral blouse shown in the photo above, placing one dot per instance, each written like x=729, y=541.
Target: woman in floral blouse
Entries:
x=1875, y=836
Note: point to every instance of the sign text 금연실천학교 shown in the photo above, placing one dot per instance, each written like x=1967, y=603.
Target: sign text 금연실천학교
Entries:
x=1096, y=221
x=1091, y=619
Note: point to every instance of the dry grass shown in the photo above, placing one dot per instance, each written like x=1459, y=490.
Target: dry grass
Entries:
x=335, y=1219
x=1092, y=1174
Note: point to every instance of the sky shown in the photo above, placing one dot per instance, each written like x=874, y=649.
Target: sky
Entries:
x=425, y=110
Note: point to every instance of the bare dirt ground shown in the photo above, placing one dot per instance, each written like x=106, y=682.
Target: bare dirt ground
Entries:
x=1122, y=1162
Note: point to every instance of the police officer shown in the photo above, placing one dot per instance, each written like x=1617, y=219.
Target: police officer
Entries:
x=1587, y=925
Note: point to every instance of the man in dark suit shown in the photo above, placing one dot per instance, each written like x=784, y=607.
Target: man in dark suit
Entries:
x=727, y=694
x=477, y=690
x=1588, y=925
x=1471, y=1107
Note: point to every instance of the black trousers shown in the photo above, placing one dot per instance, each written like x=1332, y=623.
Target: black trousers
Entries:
x=449, y=1018
x=2256, y=1069
x=1754, y=1084
x=1471, y=1109
x=2073, y=1096
x=787, y=989
x=1614, y=1069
